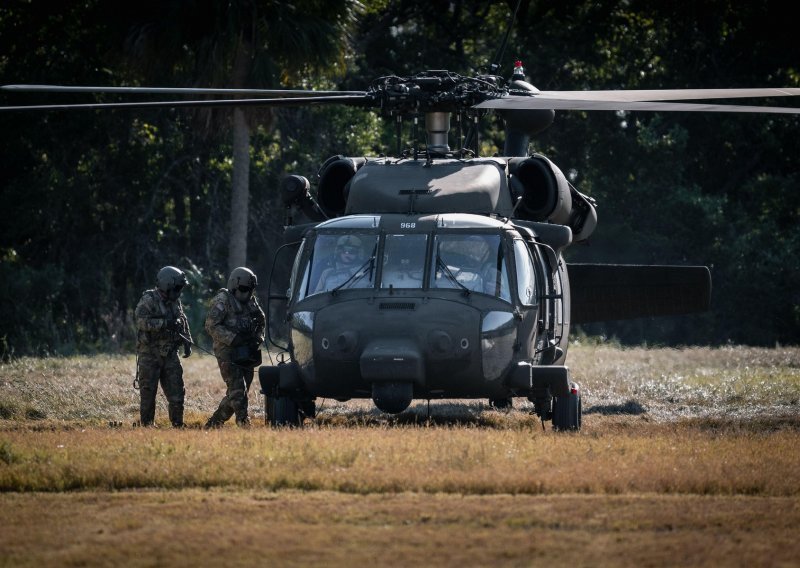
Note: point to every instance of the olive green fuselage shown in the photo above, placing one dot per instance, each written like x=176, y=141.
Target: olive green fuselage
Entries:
x=457, y=328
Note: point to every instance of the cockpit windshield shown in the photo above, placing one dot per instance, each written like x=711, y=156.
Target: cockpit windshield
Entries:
x=474, y=262
x=341, y=261
x=404, y=261
x=466, y=261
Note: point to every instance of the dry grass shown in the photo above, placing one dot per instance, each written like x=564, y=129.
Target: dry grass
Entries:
x=704, y=458
x=687, y=457
x=253, y=528
x=661, y=384
x=666, y=384
x=94, y=389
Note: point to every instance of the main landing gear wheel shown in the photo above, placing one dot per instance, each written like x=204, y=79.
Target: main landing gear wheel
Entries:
x=283, y=411
x=567, y=410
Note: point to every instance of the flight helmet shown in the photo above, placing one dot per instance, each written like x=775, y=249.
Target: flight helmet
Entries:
x=241, y=283
x=170, y=282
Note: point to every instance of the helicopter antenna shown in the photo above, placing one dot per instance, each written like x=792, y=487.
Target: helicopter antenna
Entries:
x=499, y=55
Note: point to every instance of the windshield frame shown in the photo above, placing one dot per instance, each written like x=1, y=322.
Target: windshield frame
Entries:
x=305, y=287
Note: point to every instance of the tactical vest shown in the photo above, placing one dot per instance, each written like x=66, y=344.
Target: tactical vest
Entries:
x=237, y=318
x=159, y=341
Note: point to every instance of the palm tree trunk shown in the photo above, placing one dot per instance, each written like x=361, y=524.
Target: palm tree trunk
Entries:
x=240, y=179
x=240, y=192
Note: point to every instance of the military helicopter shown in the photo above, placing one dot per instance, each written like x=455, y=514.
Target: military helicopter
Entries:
x=437, y=273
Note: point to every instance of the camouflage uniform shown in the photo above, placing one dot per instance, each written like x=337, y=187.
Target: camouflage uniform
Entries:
x=157, y=355
x=229, y=323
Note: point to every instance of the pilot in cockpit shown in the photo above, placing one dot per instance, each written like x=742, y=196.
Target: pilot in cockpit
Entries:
x=347, y=257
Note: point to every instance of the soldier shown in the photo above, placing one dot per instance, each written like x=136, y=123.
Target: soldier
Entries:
x=236, y=324
x=346, y=259
x=162, y=329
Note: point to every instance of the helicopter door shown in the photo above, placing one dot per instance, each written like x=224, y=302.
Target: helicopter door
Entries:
x=277, y=303
x=526, y=274
x=293, y=282
x=553, y=319
x=528, y=288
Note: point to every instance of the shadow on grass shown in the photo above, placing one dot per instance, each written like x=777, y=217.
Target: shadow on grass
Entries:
x=750, y=425
x=440, y=414
x=629, y=407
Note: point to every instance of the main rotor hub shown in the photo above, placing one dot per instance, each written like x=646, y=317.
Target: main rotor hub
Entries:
x=434, y=91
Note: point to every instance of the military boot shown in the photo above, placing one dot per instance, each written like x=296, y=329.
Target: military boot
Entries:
x=147, y=413
x=212, y=424
x=176, y=415
x=243, y=422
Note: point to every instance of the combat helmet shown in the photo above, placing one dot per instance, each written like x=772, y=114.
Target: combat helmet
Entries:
x=242, y=277
x=348, y=241
x=170, y=281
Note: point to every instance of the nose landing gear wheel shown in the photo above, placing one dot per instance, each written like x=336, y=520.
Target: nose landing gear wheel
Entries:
x=567, y=410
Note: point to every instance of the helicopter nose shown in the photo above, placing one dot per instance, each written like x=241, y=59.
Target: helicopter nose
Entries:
x=393, y=366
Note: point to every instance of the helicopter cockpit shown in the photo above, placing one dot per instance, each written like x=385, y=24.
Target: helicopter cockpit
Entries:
x=469, y=261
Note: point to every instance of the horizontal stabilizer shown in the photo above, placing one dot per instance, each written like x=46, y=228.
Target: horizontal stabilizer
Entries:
x=601, y=292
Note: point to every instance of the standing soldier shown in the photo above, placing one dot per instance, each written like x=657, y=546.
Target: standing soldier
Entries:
x=236, y=324
x=162, y=329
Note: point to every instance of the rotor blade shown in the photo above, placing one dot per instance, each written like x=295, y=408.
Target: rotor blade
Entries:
x=535, y=102
x=300, y=101
x=669, y=94
x=173, y=91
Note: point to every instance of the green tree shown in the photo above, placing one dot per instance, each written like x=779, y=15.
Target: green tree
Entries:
x=678, y=187
x=240, y=44
x=96, y=202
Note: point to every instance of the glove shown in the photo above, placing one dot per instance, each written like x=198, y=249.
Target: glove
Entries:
x=187, y=350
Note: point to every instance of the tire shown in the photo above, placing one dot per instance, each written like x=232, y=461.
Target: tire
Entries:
x=567, y=410
x=283, y=411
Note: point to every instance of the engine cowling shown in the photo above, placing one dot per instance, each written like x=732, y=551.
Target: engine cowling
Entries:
x=334, y=178
x=542, y=190
x=543, y=194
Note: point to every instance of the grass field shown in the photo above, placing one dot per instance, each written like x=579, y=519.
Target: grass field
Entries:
x=687, y=457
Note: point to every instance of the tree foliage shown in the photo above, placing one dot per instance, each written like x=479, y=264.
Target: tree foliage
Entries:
x=96, y=202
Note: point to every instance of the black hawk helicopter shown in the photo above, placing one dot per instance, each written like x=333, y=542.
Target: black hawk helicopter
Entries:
x=437, y=273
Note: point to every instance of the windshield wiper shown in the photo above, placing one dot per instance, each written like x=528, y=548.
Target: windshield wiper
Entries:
x=359, y=273
x=440, y=263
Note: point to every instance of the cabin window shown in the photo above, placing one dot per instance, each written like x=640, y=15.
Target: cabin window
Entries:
x=404, y=261
x=526, y=276
x=471, y=261
x=296, y=271
x=341, y=261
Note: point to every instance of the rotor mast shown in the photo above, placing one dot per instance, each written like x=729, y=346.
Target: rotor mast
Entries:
x=437, y=125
